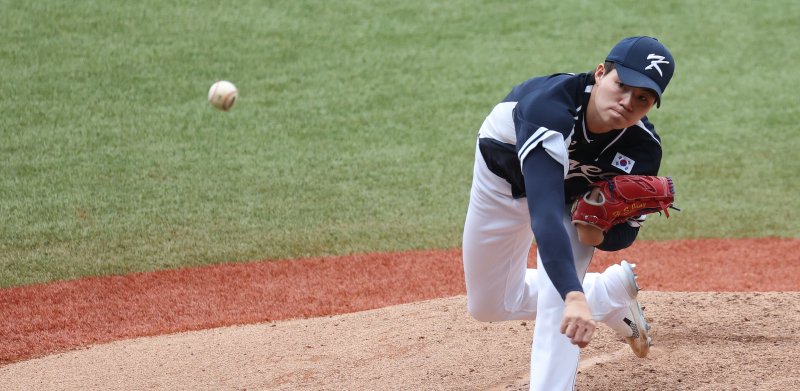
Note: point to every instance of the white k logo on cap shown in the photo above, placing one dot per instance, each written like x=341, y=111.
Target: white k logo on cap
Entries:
x=638, y=59
x=656, y=59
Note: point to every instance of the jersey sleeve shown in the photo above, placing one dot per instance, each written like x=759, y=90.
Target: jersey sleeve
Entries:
x=618, y=237
x=544, y=184
x=544, y=124
x=547, y=121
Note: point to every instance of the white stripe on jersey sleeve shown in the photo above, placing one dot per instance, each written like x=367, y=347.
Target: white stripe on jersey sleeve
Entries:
x=552, y=141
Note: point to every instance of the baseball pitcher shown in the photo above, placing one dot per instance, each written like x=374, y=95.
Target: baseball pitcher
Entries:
x=549, y=165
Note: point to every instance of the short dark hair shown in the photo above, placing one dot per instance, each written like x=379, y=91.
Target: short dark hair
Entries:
x=608, y=66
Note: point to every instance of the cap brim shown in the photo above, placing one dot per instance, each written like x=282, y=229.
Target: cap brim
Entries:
x=635, y=79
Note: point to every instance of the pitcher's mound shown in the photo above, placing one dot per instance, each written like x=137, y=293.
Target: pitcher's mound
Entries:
x=703, y=341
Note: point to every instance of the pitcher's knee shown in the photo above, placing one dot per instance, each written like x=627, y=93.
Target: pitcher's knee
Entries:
x=483, y=311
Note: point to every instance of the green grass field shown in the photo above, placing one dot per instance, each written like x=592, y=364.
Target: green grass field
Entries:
x=355, y=126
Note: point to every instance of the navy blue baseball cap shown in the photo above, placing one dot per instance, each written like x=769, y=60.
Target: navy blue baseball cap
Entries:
x=643, y=62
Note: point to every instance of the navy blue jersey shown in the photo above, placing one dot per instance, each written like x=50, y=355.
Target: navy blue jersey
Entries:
x=553, y=108
x=538, y=132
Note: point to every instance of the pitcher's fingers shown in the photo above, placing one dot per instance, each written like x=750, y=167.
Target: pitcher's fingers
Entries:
x=577, y=338
x=584, y=335
x=571, y=329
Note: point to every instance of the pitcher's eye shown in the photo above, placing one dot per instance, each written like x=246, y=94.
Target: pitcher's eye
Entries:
x=647, y=98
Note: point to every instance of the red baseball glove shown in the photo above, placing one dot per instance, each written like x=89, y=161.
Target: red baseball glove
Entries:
x=622, y=197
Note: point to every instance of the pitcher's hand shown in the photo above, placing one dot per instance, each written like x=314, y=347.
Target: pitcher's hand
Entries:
x=589, y=234
x=577, y=323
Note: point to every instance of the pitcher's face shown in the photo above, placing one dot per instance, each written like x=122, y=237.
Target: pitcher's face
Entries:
x=614, y=105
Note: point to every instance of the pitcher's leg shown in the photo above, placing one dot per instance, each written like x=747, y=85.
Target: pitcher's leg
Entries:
x=607, y=293
x=495, y=268
x=619, y=307
x=554, y=359
x=496, y=243
x=605, y=296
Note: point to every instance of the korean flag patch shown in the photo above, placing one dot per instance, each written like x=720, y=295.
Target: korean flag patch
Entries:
x=623, y=162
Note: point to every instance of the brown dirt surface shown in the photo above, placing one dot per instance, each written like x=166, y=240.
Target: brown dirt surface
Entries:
x=725, y=316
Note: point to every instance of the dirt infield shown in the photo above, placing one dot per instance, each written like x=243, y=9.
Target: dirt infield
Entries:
x=397, y=321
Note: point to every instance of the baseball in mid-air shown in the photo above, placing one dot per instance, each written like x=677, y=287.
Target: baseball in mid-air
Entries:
x=222, y=95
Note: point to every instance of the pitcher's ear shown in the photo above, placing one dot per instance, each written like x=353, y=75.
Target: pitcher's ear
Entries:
x=600, y=71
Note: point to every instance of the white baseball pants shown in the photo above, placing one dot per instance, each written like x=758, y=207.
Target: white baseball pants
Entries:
x=496, y=243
